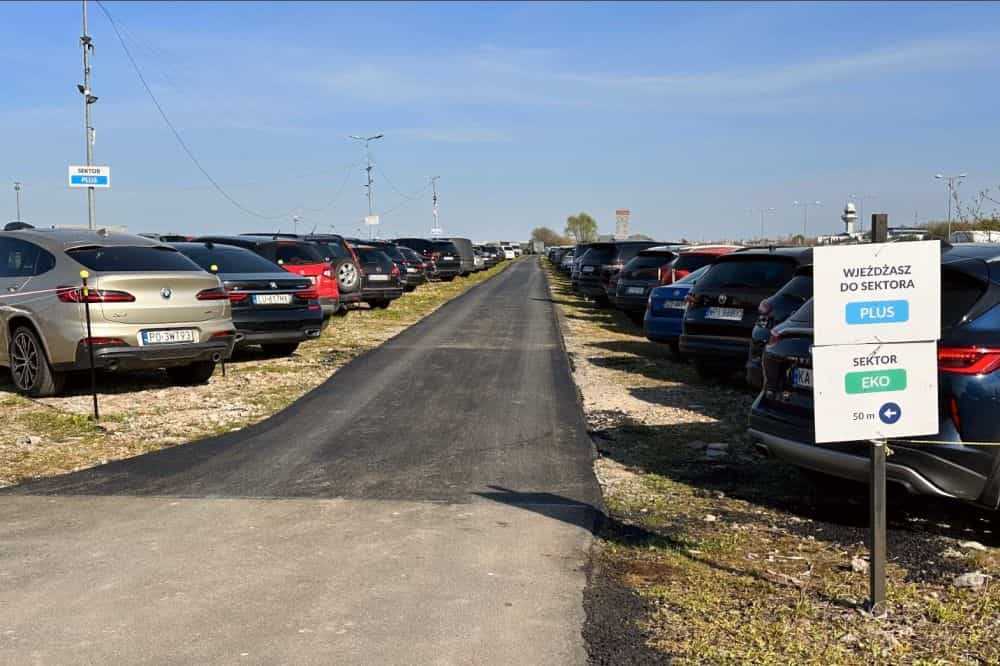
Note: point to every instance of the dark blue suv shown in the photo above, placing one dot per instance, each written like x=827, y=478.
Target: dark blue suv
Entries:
x=781, y=420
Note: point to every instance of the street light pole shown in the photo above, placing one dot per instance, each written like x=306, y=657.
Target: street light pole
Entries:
x=951, y=193
x=805, y=214
x=437, y=229
x=87, y=44
x=368, y=158
x=17, y=196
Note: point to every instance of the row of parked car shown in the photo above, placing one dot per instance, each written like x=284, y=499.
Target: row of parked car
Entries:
x=185, y=303
x=749, y=312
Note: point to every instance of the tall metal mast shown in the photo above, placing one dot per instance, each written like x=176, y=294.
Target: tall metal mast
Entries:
x=436, y=231
x=87, y=44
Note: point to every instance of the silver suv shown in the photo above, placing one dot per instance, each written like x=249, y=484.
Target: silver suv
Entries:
x=151, y=307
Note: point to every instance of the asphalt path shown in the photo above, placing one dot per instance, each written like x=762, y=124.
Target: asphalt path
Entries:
x=431, y=503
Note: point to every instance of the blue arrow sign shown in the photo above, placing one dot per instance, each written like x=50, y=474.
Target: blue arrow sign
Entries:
x=890, y=413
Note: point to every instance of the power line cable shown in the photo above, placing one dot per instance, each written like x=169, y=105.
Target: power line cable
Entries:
x=177, y=134
x=378, y=167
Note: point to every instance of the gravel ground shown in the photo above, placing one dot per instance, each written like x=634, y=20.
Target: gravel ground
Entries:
x=143, y=412
x=713, y=555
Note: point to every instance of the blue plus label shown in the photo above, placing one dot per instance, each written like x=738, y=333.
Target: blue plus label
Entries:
x=89, y=180
x=890, y=413
x=878, y=312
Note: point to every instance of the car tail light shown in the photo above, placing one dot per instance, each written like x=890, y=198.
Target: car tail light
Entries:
x=310, y=294
x=968, y=360
x=774, y=339
x=395, y=271
x=213, y=294
x=222, y=334
x=435, y=256
x=691, y=300
x=765, y=308
x=103, y=342
x=328, y=274
x=75, y=295
x=237, y=296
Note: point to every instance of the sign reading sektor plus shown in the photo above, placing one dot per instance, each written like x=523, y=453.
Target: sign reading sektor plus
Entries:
x=887, y=292
x=877, y=314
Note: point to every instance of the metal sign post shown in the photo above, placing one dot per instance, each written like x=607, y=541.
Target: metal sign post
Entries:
x=85, y=292
x=876, y=564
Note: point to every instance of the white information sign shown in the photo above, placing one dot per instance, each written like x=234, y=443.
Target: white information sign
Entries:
x=90, y=176
x=875, y=391
x=371, y=219
x=880, y=292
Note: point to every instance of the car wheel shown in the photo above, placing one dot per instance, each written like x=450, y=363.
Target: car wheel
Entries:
x=383, y=305
x=280, y=349
x=29, y=366
x=189, y=375
x=347, y=276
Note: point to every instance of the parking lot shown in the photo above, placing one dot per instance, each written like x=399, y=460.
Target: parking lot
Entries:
x=714, y=554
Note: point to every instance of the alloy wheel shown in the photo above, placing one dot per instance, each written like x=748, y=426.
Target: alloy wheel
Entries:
x=25, y=359
x=348, y=275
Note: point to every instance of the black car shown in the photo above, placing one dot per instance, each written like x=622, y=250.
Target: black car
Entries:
x=416, y=269
x=389, y=247
x=467, y=256
x=447, y=261
x=722, y=307
x=640, y=276
x=601, y=261
x=381, y=280
x=782, y=417
x=271, y=307
x=773, y=311
x=295, y=256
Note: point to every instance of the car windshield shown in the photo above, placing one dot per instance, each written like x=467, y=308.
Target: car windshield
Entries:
x=749, y=273
x=229, y=259
x=298, y=254
x=128, y=258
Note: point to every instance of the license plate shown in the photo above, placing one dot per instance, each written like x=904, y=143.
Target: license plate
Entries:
x=635, y=290
x=729, y=314
x=448, y=258
x=411, y=270
x=674, y=305
x=168, y=337
x=272, y=299
x=378, y=278
x=587, y=269
x=802, y=377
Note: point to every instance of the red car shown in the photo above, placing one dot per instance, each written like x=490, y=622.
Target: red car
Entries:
x=295, y=256
x=691, y=259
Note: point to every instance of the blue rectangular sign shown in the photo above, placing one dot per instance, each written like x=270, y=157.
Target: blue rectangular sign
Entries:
x=89, y=180
x=878, y=312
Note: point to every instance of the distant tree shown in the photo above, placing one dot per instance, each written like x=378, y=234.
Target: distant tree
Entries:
x=582, y=228
x=549, y=237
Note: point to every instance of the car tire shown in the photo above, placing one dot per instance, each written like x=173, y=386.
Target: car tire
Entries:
x=280, y=348
x=602, y=301
x=348, y=276
x=675, y=351
x=448, y=279
x=384, y=305
x=29, y=365
x=193, y=374
x=408, y=289
x=636, y=317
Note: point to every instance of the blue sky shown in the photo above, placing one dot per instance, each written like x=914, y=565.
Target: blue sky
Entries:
x=687, y=114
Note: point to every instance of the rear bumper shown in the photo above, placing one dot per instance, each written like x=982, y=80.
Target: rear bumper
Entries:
x=662, y=329
x=591, y=286
x=329, y=305
x=713, y=347
x=415, y=279
x=152, y=357
x=381, y=294
x=631, y=303
x=275, y=326
x=840, y=463
x=447, y=271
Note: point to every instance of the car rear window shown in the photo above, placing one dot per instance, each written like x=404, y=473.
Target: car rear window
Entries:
x=645, y=267
x=799, y=287
x=128, y=258
x=599, y=254
x=959, y=292
x=749, y=273
x=393, y=252
x=298, y=254
x=626, y=252
x=230, y=260
x=371, y=255
x=692, y=261
x=804, y=315
x=693, y=276
x=335, y=249
x=445, y=247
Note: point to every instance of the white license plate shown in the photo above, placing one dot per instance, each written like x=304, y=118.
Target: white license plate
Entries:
x=635, y=290
x=168, y=337
x=411, y=270
x=802, y=377
x=378, y=278
x=729, y=314
x=674, y=305
x=448, y=258
x=587, y=269
x=272, y=299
